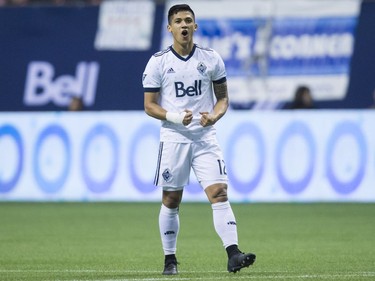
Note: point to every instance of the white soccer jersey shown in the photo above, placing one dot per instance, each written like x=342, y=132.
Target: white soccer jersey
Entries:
x=185, y=83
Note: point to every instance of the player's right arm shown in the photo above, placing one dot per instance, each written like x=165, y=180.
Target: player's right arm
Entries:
x=152, y=84
x=153, y=109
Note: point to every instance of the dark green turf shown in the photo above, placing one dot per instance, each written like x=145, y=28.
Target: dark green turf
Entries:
x=120, y=241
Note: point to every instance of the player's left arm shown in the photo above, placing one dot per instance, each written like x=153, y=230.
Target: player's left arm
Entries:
x=220, y=108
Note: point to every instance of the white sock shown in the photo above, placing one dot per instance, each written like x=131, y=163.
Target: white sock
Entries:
x=169, y=225
x=225, y=223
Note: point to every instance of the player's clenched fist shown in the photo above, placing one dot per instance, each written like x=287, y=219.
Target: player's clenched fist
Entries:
x=207, y=119
x=188, y=117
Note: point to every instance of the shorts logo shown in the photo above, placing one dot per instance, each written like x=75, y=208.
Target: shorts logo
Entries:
x=167, y=176
x=201, y=68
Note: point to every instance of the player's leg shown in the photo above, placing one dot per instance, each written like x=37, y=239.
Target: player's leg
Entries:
x=226, y=227
x=209, y=168
x=169, y=226
x=223, y=216
x=173, y=169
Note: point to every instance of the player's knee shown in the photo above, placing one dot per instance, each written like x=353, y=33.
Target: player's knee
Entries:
x=217, y=193
x=171, y=199
x=171, y=204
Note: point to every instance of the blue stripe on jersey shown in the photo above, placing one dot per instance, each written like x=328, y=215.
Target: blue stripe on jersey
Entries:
x=170, y=48
x=157, y=173
x=205, y=49
x=158, y=54
x=222, y=80
x=152, y=90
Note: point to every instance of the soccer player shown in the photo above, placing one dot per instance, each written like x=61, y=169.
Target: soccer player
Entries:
x=185, y=87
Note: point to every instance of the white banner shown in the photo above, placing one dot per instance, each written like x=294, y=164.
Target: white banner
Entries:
x=270, y=47
x=301, y=156
x=125, y=25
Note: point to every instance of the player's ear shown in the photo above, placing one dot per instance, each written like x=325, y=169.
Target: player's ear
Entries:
x=169, y=28
x=195, y=27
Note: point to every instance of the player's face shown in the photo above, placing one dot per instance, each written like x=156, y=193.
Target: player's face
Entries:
x=182, y=27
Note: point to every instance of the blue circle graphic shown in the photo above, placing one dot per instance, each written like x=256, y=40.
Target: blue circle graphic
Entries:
x=105, y=185
x=246, y=130
x=143, y=131
x=12, y=132
x=295, y=128
x=343, y=129
x=46, y=185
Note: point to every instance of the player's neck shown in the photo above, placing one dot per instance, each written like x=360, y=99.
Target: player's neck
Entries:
x=183, y=49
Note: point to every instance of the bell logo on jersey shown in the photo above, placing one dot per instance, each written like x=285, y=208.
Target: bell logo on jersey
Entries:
x=190, y=91
x=42, y=86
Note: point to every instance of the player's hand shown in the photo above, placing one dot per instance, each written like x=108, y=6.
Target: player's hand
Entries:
x=188, y=117
x=207, y=119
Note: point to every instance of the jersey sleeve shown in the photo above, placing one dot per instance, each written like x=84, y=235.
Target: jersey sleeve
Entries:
x=219, y=75
x=151, y=78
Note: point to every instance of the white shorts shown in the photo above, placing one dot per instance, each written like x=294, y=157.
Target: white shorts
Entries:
x=177, y=159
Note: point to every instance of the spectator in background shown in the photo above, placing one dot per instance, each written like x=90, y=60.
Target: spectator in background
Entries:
x=76, y=104
x=302, y=99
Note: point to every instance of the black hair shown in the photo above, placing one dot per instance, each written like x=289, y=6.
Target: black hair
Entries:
x=178, y=8
x=301, y=90
x=299, y=101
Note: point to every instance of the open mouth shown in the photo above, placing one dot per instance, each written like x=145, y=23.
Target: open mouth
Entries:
x=184, y=32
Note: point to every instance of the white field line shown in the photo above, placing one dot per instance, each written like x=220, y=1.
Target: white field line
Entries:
x=118, y=271
x=267, y=275
x=247, y=277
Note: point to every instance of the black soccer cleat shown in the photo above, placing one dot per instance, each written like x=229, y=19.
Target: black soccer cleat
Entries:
x=240, y=260
x=170, y=268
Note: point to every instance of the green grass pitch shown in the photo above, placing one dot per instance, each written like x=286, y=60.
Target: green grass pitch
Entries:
x=120, y=241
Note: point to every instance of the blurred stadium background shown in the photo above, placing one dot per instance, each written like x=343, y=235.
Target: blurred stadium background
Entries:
x=77, y=152
x=54, y=51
